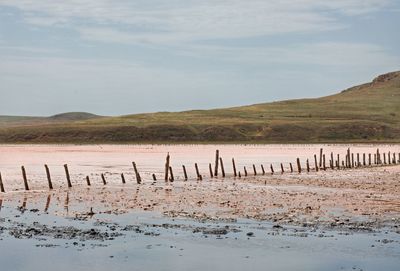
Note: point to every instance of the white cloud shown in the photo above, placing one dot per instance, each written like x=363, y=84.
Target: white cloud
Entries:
x=156, y=21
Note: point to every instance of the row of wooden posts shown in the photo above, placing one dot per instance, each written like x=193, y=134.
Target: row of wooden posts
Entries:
x=351, y=160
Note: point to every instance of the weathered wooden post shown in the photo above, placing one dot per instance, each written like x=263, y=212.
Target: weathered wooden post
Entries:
x=254, y=170
x=171, y=176
x=364, y=160
x=216, y=163
x=1, y=184
x=154, y=177
x=369, y=159
x=87, y=180
x=262, y=169
x=167, y=160
x=333, y=161
x=348, y=162
x=184, y=172
x=197, y=172
x=240, y=176
x=103, y=178
x=272, y=170
x=222, y=167
x=308, y=165
x=352, y=160
x=358, y=160
x=378, y=157
x=323, y=162
x=298, y=165
x=375, y=159
x=291, y=167
x=338, y=161
x=48, y=177
x=138, y=178
x=389, y=161
x=245, y=172
x=384, y=158
x=24, y=177
x=234, y=167
x=67, y=175
x=123, y=178
x=211, y=171
x=394, y=158
x=282, y=169
x=316, y=163
x=320, y=157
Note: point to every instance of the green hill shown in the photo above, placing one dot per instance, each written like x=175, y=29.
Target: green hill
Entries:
x=365, y=113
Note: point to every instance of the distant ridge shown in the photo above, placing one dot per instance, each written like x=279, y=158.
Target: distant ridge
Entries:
x=74, y=116
x=366, y=113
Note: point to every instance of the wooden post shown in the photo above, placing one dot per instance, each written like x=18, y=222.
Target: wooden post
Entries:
x=222, y=167
x=308, y=165
x=262, y=169
x=254, y=170
x=240, y=176
x=67, y=175
x=282, y=170
x=320, y=157
x=184, y=172
x=298, y=165
x=245, y=172
x=375, y=159
x=369, y=159
x=378, y=157
x=154, y=177
x=216, y=163
x=358, y=160
x=123, y=178
x=394, y=158
x=48, y=177
x=88, y=180
x=103, y=178
x=389, y=161
x=166, y=167
x=316, y=164
x=323, y=162
x=234, y=167
x=384, y=158
x=272, y=170
x=171, y=177
x=211, y=171
x=338, y=161
x=348, y=158
x=197, y=172
x=352, y=160
x=138, y=178
x=364, y=160
x=291, y=167
x=333, y=161
x=24, y=177
x=1, y=184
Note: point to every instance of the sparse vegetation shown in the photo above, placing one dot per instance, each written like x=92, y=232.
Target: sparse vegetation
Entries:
x=365, y=113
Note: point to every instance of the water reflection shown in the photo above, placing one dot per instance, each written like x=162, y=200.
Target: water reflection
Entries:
x=46, y=208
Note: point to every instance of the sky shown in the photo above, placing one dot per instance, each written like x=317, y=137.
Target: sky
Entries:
x=116, y=57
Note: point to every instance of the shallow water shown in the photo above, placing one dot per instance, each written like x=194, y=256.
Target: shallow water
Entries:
x=180, y=244
x=46, y=230
x=112, y=160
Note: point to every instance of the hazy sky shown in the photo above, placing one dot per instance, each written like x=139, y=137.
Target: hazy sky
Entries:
x=115, y=57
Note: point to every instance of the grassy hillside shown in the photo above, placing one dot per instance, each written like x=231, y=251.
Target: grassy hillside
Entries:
x=365, y=113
